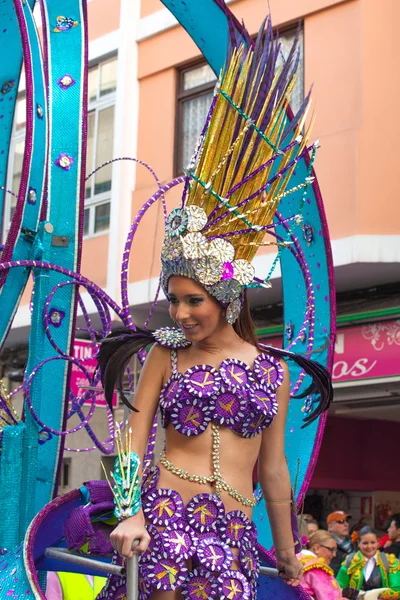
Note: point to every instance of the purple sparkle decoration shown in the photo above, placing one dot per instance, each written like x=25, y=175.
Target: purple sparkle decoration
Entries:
x=56, y=317
x=289, y=331
x=154, y=546
x=229, y=409
x=200, y=584
x=249, y=561
x=167, y=574
x=254, y=424
x=202, y=381
x=234, y=528
x=268, y=370
x=64, y=161
x=180, y=540
x=44, y=436
x=151, y=480
x=191, y=417
x=64, y=24
x=308, y=233
x=204, y=511
x=264, y=401
x=214, y=554
x=163, y=507
x=234, y=585
x=7, y=86
x=171, y=390
x=66, y=81
x=236, y=375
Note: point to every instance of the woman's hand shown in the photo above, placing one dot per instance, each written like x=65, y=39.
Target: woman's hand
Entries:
x=127, y=532
x=290, y=569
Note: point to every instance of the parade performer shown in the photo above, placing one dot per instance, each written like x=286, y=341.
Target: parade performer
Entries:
x=223, y=398
x=370, y=569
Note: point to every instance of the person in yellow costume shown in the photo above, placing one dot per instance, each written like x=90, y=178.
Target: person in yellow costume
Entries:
x=369, y=569
x=73, y=586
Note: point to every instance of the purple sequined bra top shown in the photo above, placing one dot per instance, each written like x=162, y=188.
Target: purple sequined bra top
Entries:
x=233, y=396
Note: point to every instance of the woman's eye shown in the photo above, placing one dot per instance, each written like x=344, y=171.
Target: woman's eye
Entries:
x=172, y=300
x=196, y=301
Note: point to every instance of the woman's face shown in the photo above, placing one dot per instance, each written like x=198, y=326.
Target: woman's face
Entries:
x=368, y=545
x=196, y=312
x=326, y=551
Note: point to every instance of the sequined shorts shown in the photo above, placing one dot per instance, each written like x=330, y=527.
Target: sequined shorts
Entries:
x=199, y=549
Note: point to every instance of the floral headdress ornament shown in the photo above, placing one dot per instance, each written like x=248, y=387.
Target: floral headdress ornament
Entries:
x=239, y=172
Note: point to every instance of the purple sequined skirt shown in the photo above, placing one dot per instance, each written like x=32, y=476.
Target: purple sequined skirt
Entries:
x=198, y=548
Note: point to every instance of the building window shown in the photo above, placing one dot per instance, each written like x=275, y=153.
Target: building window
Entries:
x=14, y=169
x=100, y=141
x=65, y=472
x=102, y=80
x=195, y=92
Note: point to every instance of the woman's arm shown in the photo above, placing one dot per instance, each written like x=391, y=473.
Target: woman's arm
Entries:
x=146, y=401
x=275, y=483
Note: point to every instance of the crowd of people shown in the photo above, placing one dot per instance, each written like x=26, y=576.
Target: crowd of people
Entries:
x=340, y=565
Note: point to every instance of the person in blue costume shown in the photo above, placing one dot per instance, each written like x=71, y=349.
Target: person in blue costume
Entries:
x=222, y=399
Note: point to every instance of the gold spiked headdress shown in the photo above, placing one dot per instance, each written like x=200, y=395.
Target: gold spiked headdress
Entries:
x=241, y=169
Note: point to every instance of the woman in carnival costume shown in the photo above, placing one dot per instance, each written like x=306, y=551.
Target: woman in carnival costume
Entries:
x=223, y=399
x=372, y=572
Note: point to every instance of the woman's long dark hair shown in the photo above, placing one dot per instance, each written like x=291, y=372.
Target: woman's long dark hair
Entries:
x=117, y=349
x=244, y=326
x=115, y=353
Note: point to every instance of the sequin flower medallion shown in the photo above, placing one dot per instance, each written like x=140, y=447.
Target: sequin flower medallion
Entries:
x=191, y=416
x=204, y=511
x=167, y=574
x=234, y=528
x=268, y=370
x=180, y=540
x=202, y=381
x=236, y=375
x=163, y=507
x=234, y=586
x=200, y=584
x=214, y=554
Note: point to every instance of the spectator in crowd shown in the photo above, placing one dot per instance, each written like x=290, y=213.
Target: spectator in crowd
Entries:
x=318, y=577
x=369, y=569
x=393, y=544
x=312, y=526
x=338, y=527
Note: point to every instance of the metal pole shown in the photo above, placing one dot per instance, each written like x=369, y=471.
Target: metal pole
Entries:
x=132, y=575
x=77, y=559
x=269, y=572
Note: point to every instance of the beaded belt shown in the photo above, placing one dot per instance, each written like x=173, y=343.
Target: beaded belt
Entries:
x=216, y=478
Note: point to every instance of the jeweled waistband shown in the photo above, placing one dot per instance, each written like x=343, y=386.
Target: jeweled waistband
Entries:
x=216, y=478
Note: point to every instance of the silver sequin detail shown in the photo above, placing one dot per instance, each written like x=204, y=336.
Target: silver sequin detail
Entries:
x=197, y=218
x=243, y=271
x=233, y=311
x=208, y=270
x=222, y=250
x=195, y=245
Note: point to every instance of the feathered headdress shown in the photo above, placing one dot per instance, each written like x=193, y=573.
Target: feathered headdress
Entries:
x=241, y=169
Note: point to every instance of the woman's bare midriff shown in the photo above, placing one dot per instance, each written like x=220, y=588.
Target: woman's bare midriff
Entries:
x=194, y=454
